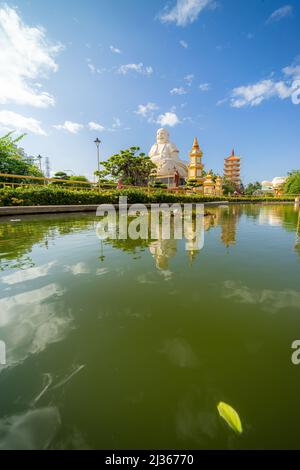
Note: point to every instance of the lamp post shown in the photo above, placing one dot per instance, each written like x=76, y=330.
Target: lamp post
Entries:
x=98, y=142
x=39, y=158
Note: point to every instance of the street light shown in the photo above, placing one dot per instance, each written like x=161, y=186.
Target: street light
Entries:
x=98, y=142
x=39, y=158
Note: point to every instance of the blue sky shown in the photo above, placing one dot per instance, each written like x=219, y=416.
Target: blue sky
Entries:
x=227, y=71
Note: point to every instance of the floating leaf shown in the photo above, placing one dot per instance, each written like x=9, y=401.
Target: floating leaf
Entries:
x=230, y=416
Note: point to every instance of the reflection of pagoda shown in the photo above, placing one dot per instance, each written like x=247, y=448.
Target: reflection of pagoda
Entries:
x=229, y=227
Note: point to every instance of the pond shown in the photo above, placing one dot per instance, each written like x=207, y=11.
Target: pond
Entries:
x=121, y=344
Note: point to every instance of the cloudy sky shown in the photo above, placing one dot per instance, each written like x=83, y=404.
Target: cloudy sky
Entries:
x=227, y=71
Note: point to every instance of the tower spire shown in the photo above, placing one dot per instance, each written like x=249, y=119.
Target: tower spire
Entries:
x=195, y=144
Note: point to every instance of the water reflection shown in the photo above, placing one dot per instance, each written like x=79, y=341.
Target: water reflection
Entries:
x=95, y=323
x=32, y=430
x=269, y=300
x=18, y=238
x=32, y=320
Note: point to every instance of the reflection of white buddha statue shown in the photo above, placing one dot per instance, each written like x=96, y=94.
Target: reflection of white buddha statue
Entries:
x=165, y=155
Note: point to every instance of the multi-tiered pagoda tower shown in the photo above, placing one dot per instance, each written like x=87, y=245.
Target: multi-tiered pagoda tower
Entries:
x=232, y=169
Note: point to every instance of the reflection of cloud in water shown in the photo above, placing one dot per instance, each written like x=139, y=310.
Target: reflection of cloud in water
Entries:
x=180, y=353
x=101, y=271
x=151, y=278
x=193, y=423
x=28, y=274
x=34, y=429
x=79, y=268
x=269, y=300
x=28, y=325
x=166, y=274
x=145, y=279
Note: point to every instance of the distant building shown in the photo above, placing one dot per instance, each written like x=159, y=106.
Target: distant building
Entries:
x=232, y=169
x=275, y=186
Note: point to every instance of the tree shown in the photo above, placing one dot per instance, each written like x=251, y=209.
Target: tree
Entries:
x=132, y=167
x=61, y=175
x=252, y=187
x=229, y=187
x=78, y=184
x=13, y=160
x=292, y=184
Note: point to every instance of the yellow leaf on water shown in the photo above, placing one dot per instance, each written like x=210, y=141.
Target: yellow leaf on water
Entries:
x=230, y=416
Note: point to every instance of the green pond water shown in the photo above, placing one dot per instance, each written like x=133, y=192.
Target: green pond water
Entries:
x=132, y=344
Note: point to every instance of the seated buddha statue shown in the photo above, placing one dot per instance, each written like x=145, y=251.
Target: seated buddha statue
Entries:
x=165, y=155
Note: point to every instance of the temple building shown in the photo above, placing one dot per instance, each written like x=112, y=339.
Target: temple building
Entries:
x=275, y=186
x=195, y=168
x=232, y=167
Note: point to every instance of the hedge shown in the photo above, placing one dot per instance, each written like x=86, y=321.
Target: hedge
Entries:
x=31, y=196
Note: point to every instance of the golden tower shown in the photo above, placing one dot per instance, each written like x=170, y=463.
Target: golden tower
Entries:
x=195, y=168
x=218, y=186
x=209, y=185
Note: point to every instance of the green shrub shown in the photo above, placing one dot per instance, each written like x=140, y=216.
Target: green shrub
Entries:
x=39, y=196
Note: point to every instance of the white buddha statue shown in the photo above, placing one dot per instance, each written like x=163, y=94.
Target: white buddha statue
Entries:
x=165, y=155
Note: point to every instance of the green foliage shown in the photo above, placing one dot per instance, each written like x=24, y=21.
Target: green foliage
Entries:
x=292, y=184
x=54, y=195
x=77, y=180
x=229, y=187
x=61, y=175
x=159, y=185
x=131, y=167
x=8, y=146
x=12, y=160
x=191, y=183
x=252, y=187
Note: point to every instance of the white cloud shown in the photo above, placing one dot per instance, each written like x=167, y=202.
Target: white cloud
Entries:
x=144, y=109
x=204, y=86
x=72, y=127
x=178, y=91
x=189, y=79
x=116, y=123
x=93, y=67
x=138, y=68
x=115, y=50
x=184, y=44
x=253, y=95
x=168, y=119
x=292, y=71
x=26, y=55
x=185, y=11
x=94, y=126
x=281, y=13
x=13, y=121
x=147, y=111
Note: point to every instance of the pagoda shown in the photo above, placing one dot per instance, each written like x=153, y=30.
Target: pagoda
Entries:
x=232, y=166
x=195, y=167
